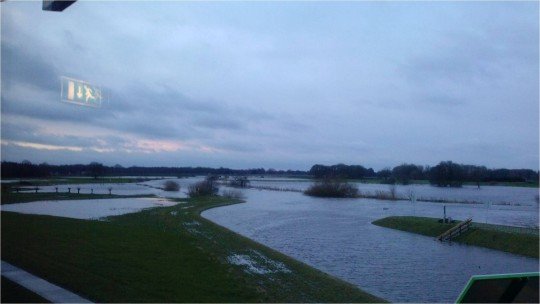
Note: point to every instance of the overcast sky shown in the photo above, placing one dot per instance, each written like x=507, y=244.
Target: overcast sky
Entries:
x=279, y=85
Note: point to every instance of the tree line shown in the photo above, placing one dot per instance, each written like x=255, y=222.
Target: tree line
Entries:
x=446, y=173
x=27, y=169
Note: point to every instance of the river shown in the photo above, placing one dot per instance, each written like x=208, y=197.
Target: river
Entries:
x=336, y=236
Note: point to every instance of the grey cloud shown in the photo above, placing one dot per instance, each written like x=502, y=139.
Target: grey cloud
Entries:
x=26, y=66
x=154, y=112
x=72, y=42
x=385, y=94
x=30, y=133
x=237, y=146
x=465, y=58
x=217, y=122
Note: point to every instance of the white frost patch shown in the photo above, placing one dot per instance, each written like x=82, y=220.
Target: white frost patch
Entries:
x=245, y=260
x=88, y=209
x=259, y=264
x=192, y=228
x=193, y=231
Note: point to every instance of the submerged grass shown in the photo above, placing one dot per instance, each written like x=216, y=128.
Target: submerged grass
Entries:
x=25, y=197
x=504, y=238
x=75, y=180
x=168, y=254
x=529, y=184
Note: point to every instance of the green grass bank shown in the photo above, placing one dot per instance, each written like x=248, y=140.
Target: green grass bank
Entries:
x=522, y=241
x=168, y=254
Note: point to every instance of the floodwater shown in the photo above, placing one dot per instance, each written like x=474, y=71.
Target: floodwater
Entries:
x=337, y=237
x=484, y=194
x=148, y=187
x=88, y=209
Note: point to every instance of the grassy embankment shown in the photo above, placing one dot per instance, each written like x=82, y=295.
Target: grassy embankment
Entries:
x=522, y=241
x=168, y=254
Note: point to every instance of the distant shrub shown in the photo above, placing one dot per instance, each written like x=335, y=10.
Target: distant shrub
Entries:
x=202, y=188
x=392, y=190
x=233, y=194
x=411, y=195
x=332, y=188
x=239, y=181
x=171, y=186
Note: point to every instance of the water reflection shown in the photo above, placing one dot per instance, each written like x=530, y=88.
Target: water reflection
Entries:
x=88, y=209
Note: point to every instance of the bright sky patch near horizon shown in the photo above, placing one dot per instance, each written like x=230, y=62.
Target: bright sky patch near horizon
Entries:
x=279, y=85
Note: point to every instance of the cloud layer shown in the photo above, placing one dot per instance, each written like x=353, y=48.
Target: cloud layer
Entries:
x=282, y=85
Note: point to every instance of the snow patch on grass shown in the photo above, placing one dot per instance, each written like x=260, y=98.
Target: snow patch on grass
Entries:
x=257, y=263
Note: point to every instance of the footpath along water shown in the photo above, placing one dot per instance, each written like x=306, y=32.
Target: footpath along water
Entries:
x=336, y=236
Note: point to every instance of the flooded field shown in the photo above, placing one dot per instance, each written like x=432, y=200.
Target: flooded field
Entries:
x=484, y=194
x=336, y=236
x=88, y=209
x=148, y=187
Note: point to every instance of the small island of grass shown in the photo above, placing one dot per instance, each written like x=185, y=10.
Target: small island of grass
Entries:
x=516, y=240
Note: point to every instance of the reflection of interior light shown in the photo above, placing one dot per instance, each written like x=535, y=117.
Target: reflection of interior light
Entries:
x=80, y=92
x=71, y=90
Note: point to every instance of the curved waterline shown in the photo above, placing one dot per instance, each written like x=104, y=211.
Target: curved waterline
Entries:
x=336, y=236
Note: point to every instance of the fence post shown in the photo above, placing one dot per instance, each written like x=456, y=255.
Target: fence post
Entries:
x=444, y=219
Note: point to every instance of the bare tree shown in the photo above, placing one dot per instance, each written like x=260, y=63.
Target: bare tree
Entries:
x=96, y=169
x=392, y=189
